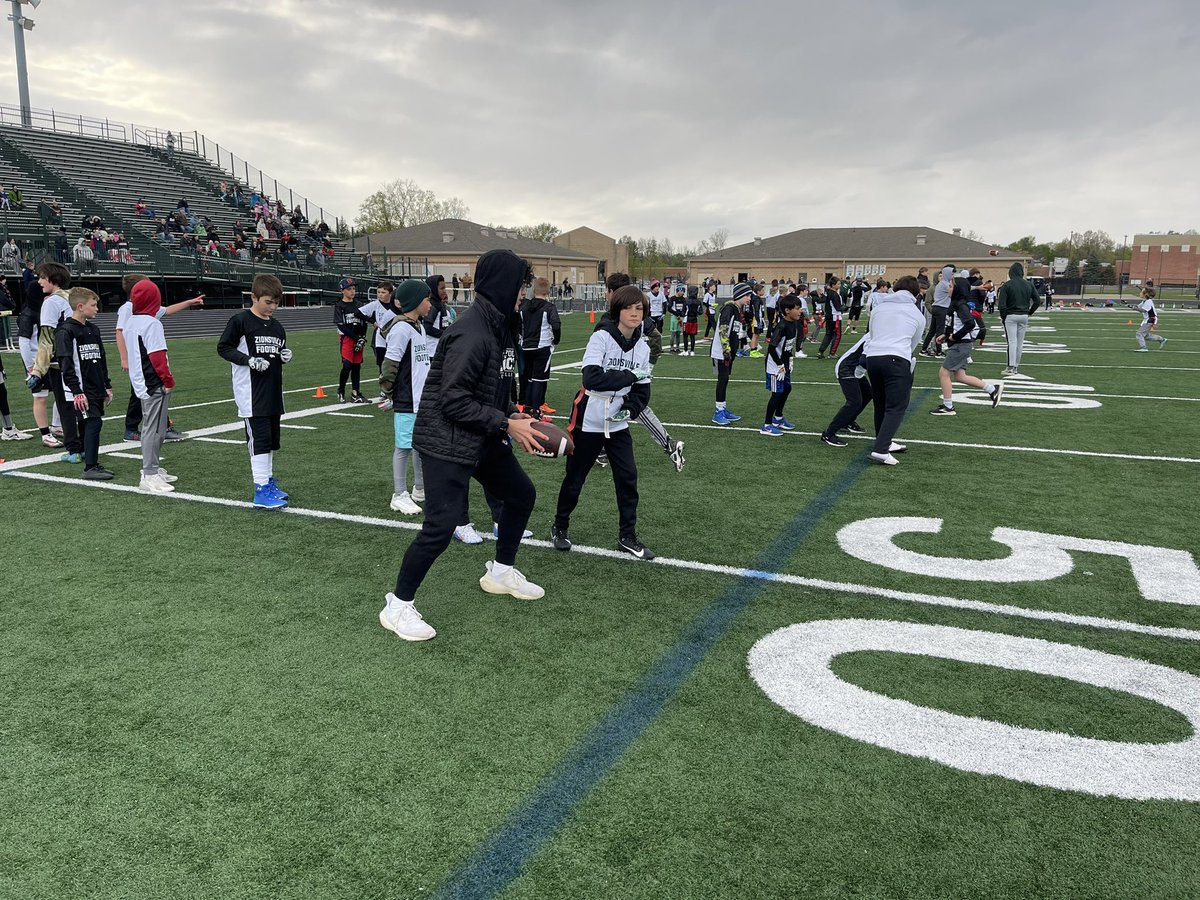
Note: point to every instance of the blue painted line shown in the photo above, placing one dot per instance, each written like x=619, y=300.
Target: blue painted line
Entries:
x=501, y=859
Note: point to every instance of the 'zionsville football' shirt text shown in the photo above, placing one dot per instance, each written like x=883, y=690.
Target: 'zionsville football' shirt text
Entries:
x=608, y=352
x=406, y=363
x=247, y=336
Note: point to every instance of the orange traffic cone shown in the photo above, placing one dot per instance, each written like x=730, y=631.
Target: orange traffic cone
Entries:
x=320, y=394
x=592, y=317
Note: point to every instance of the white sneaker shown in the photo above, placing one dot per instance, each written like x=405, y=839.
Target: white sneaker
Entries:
x=885, y=459
x=418, y=494
x=153, y=484
x=402, y=503
x=12, y=434
x=467, y=534
x=514, y=584
x=800, y=354
x=402, y=619
x=167, y=476
x=897, y=448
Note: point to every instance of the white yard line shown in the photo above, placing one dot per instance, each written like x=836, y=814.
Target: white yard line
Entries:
x=684, y=564
x=300, y=427
x=123, y=455
x=231, y=400
x=212, y=440
x=353, y=415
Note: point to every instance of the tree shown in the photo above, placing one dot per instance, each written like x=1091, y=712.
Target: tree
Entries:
x=718, y=239
x=403, y=203
x=543, y=231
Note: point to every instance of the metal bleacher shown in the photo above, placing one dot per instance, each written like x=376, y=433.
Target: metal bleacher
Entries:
x=90, y=174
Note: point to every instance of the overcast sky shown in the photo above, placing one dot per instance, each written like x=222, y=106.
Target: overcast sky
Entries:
x=667, y=118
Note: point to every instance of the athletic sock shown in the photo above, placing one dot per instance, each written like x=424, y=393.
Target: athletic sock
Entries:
x=260, y=468
x=8, y=422
x=720, y=404
x=949, y=404
x=44, y=431
x=500, y=571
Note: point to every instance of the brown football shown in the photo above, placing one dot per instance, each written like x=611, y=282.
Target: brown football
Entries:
x=552, y=440
x=994, y=252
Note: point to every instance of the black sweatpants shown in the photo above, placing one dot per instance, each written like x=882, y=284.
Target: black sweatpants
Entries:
x=90, y=423
x=619, y=448
x=937, y=325
x=857, y=392
x=535, y=378
x=380, y=352
x=891, y=383
x=67, y=415
x=133, y=413
x=833, y=336
x=723, y=370
x=446, y=487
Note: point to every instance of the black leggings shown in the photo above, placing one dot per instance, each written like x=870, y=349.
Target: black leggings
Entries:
x=379, y=354
x=68, y=418
x=446, y=488
x=857, y=392
x=723, y=371
x=833, y=336
x=775, y=402
x=937, y=325
x=710, y=324
x=354, y=372
x=689, y=342
x=4, y=410
x=891, y=383
x=619, y=448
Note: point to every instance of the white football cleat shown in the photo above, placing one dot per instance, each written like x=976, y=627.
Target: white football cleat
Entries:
x=467, y=534
x=154, y=484
x=403, y=503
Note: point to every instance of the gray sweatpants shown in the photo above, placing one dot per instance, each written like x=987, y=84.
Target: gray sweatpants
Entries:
x=400, y=470
x=1144, y=333
x=1015, y=326
x=154, y=429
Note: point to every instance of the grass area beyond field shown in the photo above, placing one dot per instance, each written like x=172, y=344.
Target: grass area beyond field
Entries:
x=199, y=700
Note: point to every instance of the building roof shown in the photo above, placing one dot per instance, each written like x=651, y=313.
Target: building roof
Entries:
x=860, y=243
x=467, y=238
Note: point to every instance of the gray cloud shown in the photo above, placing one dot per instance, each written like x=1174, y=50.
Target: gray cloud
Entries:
x=671, y=119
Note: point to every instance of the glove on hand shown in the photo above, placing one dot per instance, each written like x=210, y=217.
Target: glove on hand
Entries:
x=643, y=374
x=34, y=382
x=621, y=415
x=285, y=355
x=860, y=372
x=259, y=364
x=359, y=344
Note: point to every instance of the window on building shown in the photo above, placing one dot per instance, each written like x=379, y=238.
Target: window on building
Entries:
x=1145, y=248
x=1165, y=248
x=1185, y=248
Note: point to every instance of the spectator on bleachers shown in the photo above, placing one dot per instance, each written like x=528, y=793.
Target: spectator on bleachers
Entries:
x=49, y=212
x=16, y=199
x=10, y=256
x=298, y=219
x=239, y=230
x=143, y=210
x=242, y=251
x=170, y=144
x=163, y=234
x=258, y=249
x=239, y=198
x=93, y=223
x=183, y=206
x=61, y=246
x=4, y=204
x=84, y=258
x=261, y=229
x=188, y=243
x=315, y=259
x=280, y=209
x=212, y=248
x=200, y=232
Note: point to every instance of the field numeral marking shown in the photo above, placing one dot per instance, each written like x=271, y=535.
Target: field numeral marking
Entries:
x=1162, y=574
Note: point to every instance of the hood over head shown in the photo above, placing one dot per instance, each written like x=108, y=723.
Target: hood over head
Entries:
x=146, y=298
x=433, y=281
x=1016, y=271
x=947, y=273
x=499, y=277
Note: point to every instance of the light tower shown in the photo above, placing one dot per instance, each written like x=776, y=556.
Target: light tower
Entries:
x=22, y=24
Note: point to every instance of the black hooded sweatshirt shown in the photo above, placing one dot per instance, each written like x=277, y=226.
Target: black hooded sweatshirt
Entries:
x=468, y=394
x=438, y=319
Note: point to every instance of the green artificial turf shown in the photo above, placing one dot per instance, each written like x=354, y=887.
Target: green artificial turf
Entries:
x=199, y=701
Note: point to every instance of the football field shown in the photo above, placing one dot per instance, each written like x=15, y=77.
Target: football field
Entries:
x=975, y=674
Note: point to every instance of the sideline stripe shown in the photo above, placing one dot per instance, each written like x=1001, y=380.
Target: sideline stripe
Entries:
x=212, y=440
x=687, y=565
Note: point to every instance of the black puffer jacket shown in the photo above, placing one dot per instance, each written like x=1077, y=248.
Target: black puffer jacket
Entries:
x=468, y=393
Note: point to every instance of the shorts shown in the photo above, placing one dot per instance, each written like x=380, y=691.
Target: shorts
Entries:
x=675, y=326
x=957, y=356
x=779, y=384
x=691, y=327
x=349, y=354
x=402, y=424
x=262, y=434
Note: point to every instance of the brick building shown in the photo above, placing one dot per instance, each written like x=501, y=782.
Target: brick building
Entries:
x=1165, y=258
x=812, y=254
x=614, y=256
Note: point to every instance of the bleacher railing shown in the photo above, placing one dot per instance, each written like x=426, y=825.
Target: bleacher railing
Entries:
x=191, y=143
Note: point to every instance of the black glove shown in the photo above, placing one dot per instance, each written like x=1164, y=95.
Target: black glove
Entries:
x=359, y=344
x=34, y=382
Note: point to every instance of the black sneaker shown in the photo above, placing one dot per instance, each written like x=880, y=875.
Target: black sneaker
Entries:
x=559, y=538
x=855, y=428
x=602, y=460
x=97, y=473
x=133, y=435
x=634, y=547
x=999, y=389
x=341, y=397
x=943, y=410
x=833, y=440
x=356, y=397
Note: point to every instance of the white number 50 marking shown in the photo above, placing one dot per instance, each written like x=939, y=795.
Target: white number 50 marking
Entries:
x=1162, y=574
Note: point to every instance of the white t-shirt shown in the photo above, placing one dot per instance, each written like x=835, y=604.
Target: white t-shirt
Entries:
x=603, y=351
x=1149, y=314
x=126, y=311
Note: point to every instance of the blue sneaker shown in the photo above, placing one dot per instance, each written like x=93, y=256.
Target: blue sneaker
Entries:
x=783, y=423
x=720, y=418
x=276, y=489
x=71, y=458
x=266, y=498
x=770, y=431
x=731, y=417
x=743, y=353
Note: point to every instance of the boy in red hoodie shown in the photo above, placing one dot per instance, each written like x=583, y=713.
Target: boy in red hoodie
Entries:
x=150, y=376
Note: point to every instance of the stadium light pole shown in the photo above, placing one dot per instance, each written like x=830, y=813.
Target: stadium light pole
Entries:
x=21, y=24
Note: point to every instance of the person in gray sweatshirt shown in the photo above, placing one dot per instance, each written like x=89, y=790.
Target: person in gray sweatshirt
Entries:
x=942, y=292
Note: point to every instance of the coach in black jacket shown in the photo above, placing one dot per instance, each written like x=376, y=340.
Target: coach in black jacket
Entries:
x=465, y=428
